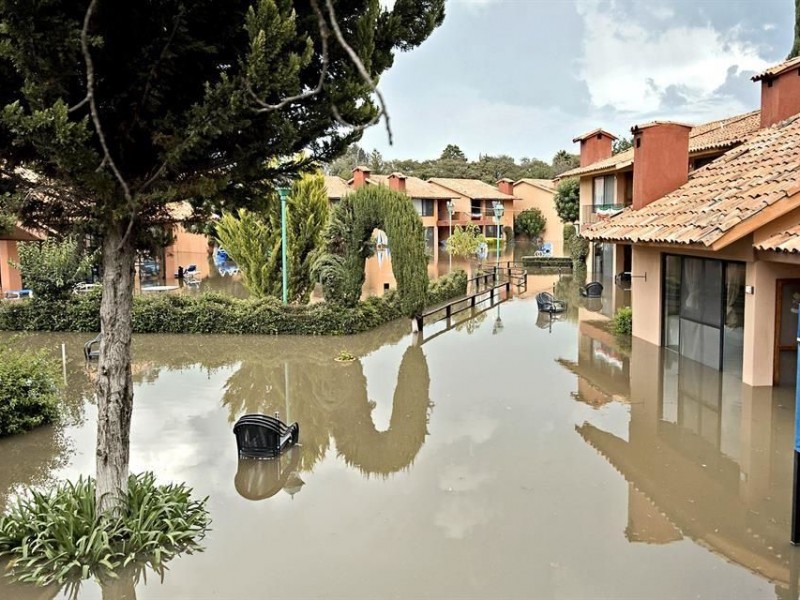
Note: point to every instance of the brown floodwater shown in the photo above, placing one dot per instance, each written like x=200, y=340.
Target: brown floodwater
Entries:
x=509, y=457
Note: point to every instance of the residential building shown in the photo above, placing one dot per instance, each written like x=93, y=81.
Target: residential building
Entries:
x=715, y=252
x=606, y=180
x=10, y=277
x=474, y=204
x=539, y=193
x=336, y=188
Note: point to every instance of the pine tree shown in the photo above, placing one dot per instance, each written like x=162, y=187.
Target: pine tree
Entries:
x=114, y=110
x=796, y=47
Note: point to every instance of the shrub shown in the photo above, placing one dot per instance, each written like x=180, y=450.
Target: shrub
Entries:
x=29, y=390
x=52, y=268
x=622, y=323
x=56, y=536
x=215, y=313
x=567, y=200
x=530, y=222
x=465, y=241
x=568, y=234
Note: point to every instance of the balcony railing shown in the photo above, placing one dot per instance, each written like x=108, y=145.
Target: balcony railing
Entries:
x=593, y=213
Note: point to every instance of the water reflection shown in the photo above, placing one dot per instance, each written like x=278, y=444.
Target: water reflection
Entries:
x=261, y=479
x=706, y=457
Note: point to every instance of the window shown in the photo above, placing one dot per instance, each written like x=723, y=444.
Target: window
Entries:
x=475, y=209
x=603, y=192
x=427, y=208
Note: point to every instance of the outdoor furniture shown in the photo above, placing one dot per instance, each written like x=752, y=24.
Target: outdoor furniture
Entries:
x=547, y=303
x=623, y=280
x=91, y=349
x=593, y=289
x=263, y=436
x=262, y=479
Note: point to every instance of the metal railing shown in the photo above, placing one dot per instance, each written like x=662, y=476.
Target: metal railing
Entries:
x=593, y=213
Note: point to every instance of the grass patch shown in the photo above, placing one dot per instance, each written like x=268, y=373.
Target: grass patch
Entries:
x=57, y=537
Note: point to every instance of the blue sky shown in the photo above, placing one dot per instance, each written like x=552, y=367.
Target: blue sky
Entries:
x=523, y=77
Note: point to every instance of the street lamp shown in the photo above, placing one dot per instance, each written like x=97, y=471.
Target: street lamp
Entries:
x=283, y=192
x=451, y=207
x=499, y=209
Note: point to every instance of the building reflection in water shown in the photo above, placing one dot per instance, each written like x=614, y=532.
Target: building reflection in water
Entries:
x=706, y=457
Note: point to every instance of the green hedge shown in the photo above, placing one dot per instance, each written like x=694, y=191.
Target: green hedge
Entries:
x=216, y=313
x=29, y=390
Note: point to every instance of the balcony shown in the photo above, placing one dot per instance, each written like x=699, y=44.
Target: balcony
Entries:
x=593, y=213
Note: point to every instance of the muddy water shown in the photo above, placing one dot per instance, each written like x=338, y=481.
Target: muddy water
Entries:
x=501, y=459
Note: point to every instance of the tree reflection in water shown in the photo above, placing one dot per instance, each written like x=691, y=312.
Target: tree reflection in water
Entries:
x=329, y=400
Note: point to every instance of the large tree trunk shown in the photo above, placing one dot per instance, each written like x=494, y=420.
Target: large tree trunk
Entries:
x=114, y=381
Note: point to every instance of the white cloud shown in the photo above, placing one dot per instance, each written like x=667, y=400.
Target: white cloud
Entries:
x=632, y=68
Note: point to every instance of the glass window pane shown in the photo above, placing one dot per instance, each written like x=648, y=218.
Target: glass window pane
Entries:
x=672, y=300
x=692, y=289
x=700, y=343
x=712, y=293
x=598, y=190
x=733, y=349
x=608, y=190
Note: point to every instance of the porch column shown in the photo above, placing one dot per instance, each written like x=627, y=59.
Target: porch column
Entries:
x=759, y=324
x=646, y=294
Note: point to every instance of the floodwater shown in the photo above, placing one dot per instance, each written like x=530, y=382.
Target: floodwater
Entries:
x=509, y=457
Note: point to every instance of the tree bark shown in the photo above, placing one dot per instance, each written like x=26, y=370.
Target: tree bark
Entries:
x=114, y=381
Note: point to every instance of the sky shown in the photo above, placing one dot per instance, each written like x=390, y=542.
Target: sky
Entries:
x=524, y=77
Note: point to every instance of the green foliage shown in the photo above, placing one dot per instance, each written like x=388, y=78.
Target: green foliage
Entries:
x=52, y=268
x=568, y=234
x=530, y=222
x=578, y=251
x=7, y=222
x=348, y=244
x=254, y=242
x=564, y=161
x=465, y=241
x=622, y=323
x=567, y=199
x=57, y=536
x=453, y=152
x=622, y=144
x=796, y=46
x=29, y=390
x=215, y=313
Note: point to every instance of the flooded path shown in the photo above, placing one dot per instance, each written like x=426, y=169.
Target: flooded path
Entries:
x=512, y=457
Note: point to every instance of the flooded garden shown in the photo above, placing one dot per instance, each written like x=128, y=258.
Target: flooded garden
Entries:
x=512, y=456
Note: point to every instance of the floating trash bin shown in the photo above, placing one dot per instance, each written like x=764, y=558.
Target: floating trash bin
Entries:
x=263, y=436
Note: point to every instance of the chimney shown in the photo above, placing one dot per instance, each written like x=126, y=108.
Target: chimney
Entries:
x=780, y=92
x=397, y=182
x=360, y=176
x=595, y=145
x=506, y=186
x=660, y=160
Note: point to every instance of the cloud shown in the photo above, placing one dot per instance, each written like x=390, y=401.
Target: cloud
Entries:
x=634, y=68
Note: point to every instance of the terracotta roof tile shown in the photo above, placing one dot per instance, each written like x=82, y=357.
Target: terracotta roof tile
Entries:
x=471, y=188
x=708, y=136
x=784, y=241
x=415, y=187
x=778, y=69
x=735, y=187
x=336, y=187
x=545, y=184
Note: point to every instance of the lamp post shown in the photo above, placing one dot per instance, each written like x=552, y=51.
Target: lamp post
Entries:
x=499, y=209
x=283, y=192
x=451, y=206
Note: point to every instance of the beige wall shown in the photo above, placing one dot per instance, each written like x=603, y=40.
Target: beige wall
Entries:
x=10, y=278
x=646, y=294
x=188, y=248
x=531, y=196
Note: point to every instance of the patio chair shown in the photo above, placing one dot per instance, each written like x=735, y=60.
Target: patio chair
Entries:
x=592, y=289
x=547, y=303
x=623, y=280
x=263, y=436
x=91, y=349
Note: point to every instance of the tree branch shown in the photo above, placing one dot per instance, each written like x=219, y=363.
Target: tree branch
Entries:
x=90, y=97
x=362, y=70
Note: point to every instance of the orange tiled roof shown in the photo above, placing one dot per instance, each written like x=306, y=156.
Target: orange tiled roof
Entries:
x=415, y=187
x=544, y=184
x=719, y=134
x=593, y=133
x=471, y=188
x=336, y=187
x=778, y=69
x=759, y=174
x=784, y=241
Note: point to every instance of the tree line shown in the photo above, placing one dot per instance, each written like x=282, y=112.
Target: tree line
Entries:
x=454, y=163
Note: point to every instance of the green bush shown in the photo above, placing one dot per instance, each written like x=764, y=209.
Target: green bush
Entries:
x=569, y=233
x=56, y=536
x=530, y=222
x=52, y=268
x=215, y=313
x=567, y=199
x=29, y=391
x=622, y=323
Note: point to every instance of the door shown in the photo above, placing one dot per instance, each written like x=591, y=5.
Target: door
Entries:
x=787, y=305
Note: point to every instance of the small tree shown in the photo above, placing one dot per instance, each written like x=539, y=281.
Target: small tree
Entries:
x=796, y=47
x=567, y=199
x=564, y=161
x=50, y=269
x=621, y=145
x=465, y=241
x=530, y=222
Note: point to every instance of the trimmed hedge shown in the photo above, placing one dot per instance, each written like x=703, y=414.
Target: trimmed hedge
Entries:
x=216, y=313
x=29, y=391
